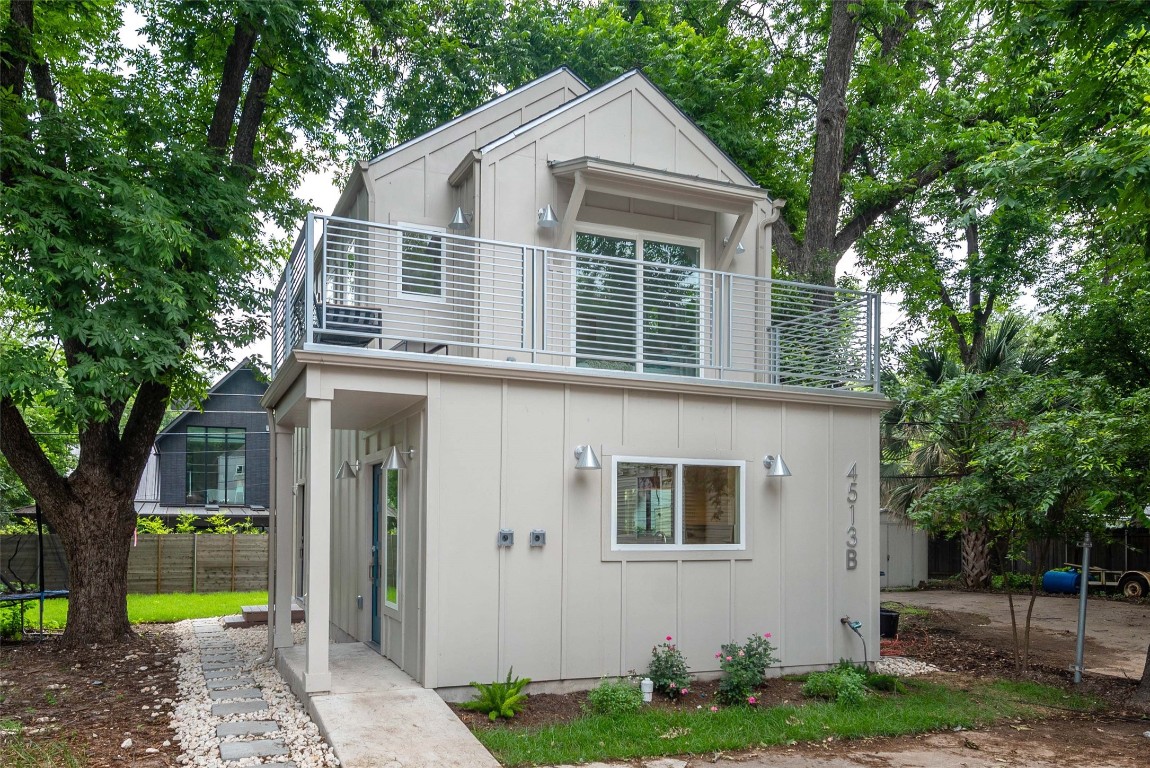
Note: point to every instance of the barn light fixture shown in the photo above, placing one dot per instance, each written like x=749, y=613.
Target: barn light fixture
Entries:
x=397, y=458
x=347, y=470
x=547, y=217
x=461, y=221
x=776, y=467
x=585, y=458
x=738, y=248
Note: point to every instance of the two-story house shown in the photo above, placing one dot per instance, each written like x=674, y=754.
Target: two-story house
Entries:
x=533, y=386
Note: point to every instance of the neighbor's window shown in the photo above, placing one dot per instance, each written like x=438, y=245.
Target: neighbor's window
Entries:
x=663, y=503
x=421, y=264
x=215, y=465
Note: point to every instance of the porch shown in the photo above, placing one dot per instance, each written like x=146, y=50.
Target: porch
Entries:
x=383, y=290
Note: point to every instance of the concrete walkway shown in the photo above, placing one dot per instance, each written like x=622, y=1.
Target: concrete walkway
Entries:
x=233, y=691
x=375, y=716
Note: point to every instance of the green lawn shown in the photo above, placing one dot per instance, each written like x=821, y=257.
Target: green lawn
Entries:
x=155, y=609
x=927, y=706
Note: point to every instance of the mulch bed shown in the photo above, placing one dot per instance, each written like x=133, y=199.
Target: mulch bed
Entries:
x=94, y=698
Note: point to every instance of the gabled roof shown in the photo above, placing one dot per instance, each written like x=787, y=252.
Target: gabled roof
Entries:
x=579, y=101
x=481, y=108
x=244, y=364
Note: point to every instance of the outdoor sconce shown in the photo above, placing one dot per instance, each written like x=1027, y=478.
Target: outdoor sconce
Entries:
x=348, y=471
x=461, y=221
x=547, y=217
x=396, y=458
x=585, y=458
x=738, y=248
x=776, y=467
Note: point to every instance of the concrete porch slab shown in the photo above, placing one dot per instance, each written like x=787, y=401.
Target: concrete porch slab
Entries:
x=376, y=715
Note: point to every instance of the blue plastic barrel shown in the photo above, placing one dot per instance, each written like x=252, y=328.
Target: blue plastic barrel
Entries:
x=1061, y=581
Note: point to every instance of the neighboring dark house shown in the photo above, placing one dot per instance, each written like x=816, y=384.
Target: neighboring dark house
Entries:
x=213, y=461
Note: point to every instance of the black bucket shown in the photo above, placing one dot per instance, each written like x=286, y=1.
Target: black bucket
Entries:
x=887, y=623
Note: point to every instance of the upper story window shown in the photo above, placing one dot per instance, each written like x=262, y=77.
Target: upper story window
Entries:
x=421, y=264
x=638, y=309
x=215, y=465
x=678, y=503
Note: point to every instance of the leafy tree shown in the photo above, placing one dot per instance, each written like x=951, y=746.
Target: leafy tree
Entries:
x=135, y=183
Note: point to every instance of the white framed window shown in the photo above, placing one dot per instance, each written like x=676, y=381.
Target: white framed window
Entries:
x=422, y=260
x=676, y=504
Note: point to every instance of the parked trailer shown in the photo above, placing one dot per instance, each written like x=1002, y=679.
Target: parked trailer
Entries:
x=1129, y=583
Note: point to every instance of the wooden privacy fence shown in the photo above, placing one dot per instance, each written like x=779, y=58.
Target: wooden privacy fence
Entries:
x=173, y=562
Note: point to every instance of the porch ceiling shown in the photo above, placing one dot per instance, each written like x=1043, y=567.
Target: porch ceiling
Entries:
x=350, y=409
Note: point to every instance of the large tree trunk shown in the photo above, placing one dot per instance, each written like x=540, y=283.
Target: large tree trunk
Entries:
x=1142, y=692
x=975, y=559
x=96, y=534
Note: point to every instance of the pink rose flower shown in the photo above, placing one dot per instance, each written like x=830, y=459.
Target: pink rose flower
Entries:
x=752, y=700
x=718, y=655
x=729, y=658
x=668, y=638
x=742, y=654
x=714, y=709
x=683, y=691
x=767, y=635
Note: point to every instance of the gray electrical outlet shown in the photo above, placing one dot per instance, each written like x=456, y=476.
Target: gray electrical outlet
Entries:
x=505, y=538
x=538, y=538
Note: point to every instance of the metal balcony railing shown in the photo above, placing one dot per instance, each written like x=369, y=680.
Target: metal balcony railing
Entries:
x=390, y=288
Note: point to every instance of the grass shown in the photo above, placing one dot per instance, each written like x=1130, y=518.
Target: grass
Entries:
x=904, y=609
x=154, y=609
x=927, y=706
x=16, y=752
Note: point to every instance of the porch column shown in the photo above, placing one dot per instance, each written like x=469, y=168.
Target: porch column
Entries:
x=317, y=675
x=283, y=534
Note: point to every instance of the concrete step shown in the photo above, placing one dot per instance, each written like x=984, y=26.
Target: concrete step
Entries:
x=237, y=621
x=259, y=613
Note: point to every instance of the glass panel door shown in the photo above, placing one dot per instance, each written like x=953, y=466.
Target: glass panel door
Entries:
x=605, y=303
x=670, y=308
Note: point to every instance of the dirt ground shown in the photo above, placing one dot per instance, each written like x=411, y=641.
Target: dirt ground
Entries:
x=95, y=699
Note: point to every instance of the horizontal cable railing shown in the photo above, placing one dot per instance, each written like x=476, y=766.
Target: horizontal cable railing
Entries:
x=355, y=283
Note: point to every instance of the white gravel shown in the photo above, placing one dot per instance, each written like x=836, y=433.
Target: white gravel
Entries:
x=902, y=666
x=195, y=725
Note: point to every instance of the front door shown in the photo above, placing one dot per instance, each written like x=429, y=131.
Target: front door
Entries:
x=376, y=548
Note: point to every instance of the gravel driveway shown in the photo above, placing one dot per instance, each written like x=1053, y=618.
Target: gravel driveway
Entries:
x=1117, y=632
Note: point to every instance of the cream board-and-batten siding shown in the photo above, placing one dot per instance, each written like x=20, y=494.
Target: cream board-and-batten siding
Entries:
x=491, y=406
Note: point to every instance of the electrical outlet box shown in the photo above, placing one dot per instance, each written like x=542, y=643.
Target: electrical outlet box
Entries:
x=538, y=538
x=505, y=538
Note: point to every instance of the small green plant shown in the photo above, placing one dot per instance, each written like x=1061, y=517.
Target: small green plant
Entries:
x=186, y=522
x=221, y=525
x=668, y=669
x=844, y=684
x=12, y=620
x=151, y=524
x=615, y=697
x=743, y=668
x=50, y=698
x=246, y=526
x=1019, y=582
x=886, y=683
x=497, y=699
x=15, y=525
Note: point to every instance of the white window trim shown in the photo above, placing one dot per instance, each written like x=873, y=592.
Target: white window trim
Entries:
x=640, y=237
x=678, y=511
x=433, y=298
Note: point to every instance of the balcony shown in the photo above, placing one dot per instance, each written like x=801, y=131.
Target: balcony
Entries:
x=387, y=289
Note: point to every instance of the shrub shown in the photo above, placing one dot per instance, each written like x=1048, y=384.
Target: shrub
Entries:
x=186, y=523
x=744, y=667
x=151, y=524
x=615, y=697
x=12, y=620
x=844, y=684
x=499, y=699
x=668, y=669
x=887, y=683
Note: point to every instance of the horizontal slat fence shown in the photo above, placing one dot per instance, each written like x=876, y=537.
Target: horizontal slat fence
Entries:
x=158, y=563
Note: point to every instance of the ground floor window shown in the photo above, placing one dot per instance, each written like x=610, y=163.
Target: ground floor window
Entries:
x=673, y=503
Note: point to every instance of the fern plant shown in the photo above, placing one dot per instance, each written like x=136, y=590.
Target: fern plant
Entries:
x=499, y=699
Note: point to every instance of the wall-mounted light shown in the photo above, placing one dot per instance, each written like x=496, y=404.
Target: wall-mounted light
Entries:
x=776, y=467
x=397, y=458
x=547, y=217
x=461, y=221
x=738, y=248
x=585, y=458
x=348, y=470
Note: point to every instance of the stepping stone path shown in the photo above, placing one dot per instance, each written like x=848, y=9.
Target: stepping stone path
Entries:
x=233, y=691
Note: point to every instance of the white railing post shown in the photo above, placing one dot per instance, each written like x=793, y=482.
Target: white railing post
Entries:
x=309, y=279
x=876, y=356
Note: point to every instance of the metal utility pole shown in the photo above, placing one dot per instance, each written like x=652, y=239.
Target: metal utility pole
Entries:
x=1082, y=608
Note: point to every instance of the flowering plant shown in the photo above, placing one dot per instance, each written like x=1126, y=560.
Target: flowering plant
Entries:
x=668, y=670
x=743, y=668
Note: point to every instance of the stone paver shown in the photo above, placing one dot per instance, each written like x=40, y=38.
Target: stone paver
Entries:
x=216, y=674
x=221, y=683
x=247, y=728
x=239, y=707
x=238, y=750
x=236, y=693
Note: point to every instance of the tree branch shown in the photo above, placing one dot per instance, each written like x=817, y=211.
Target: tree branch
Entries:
x=243, y=153
x=859, y=223
x=236, y=62
x=27, y=458
x=144, y=421
x=786, y=244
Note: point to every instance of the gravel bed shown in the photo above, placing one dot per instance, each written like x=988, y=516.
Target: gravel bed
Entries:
x=195, y=725
x=903, y=667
